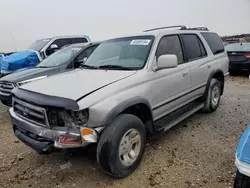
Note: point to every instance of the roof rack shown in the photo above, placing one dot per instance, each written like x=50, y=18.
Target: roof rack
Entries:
x=182, y=27
x=168, y=27
x=196, y=28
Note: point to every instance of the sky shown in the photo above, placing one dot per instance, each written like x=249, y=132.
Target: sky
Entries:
x=24, y=21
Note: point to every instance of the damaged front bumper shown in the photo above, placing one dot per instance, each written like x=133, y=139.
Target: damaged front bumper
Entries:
x=45, y=140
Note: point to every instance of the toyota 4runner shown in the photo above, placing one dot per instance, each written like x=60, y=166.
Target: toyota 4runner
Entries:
x=128, y=89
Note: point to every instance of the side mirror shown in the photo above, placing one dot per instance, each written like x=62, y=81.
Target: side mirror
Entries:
x=166, y=61
x=53, y=47
x=82, y=60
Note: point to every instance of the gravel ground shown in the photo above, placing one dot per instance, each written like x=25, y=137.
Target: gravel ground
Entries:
x=198, y=152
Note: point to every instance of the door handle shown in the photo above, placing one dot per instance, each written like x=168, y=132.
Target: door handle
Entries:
x=185, y=74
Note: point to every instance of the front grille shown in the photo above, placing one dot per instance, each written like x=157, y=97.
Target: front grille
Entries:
x=30, y=112
x=6, y=87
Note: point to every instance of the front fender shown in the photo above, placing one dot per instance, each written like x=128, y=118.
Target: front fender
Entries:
x=123, y=106
x=104, y=113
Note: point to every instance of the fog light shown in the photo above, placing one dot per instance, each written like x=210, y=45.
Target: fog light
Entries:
x=69, y=139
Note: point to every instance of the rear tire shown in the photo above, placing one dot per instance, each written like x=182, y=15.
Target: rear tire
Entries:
x=114, y=150
x=241, y=181
x=213, y=96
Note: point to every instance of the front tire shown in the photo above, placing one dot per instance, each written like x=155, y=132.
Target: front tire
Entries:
x=241, y=181
x=213, y=96
x=121, y=146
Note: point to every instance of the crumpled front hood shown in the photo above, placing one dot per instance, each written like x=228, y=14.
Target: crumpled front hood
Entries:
x=76, y=84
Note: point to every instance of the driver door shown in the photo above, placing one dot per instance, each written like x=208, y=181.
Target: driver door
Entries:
x=170, y=85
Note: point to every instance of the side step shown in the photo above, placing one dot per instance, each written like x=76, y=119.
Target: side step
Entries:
x=178, y=115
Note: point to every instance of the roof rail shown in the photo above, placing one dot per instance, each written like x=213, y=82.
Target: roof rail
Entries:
x=196, y=28
x=182, y=27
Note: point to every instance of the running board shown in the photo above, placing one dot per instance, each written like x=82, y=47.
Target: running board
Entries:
x=177, y=116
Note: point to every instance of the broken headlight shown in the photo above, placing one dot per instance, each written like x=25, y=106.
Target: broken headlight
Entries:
x=74, y=118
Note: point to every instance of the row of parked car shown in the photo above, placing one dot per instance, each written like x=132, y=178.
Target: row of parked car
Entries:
x=121, y=92
x=36, y=52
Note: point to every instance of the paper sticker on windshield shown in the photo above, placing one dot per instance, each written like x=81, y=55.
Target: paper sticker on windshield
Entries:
x=140, y=42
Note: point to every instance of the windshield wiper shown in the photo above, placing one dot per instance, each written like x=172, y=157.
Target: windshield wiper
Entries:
x=88, y=66
x=119, y=67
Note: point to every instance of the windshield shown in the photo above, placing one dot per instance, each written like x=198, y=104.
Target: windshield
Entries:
x=39, y=44
x=127, y=53
x=60, y=57
x=238, y=47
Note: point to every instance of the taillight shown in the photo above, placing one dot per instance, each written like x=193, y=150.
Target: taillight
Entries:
x=247, y=55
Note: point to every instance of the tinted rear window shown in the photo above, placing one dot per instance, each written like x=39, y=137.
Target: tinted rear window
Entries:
x=193, y=47
x=214, y=42
x=238, y=47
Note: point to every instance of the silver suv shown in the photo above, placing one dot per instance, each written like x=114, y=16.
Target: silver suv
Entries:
x=129, y=89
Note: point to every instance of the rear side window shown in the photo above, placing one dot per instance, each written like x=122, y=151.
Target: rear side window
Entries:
x=214, y=42
x=170, y=45
x=62, y=42
x=80, y=40
x=193, y=47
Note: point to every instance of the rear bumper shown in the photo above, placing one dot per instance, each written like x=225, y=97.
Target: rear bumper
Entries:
x=45, y=140
x=243, y=167
x=239, y=66
x=226, y=75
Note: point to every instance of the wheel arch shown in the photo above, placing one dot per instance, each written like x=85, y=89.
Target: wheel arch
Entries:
x=217, y=74
x=137, y=106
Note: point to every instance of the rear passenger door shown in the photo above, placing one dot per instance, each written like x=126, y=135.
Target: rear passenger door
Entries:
x=218, y=58
x=195, y=55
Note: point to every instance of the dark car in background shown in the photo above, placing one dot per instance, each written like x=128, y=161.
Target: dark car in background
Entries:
x=239, y=57
x=68, y=58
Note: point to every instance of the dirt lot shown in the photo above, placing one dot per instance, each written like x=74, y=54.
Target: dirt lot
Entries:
x=198, y=152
